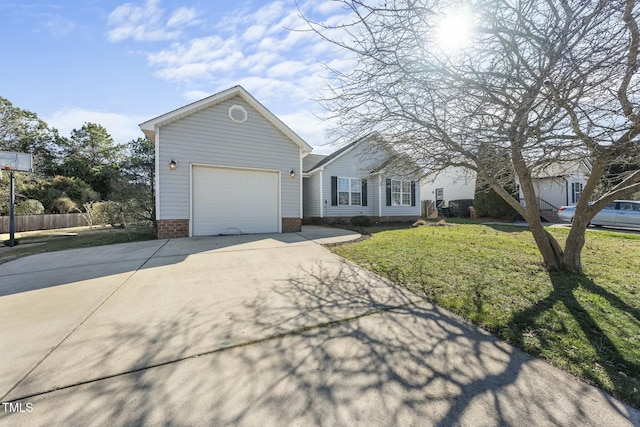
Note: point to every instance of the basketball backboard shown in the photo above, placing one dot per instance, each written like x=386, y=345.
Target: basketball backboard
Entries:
x=12, y=161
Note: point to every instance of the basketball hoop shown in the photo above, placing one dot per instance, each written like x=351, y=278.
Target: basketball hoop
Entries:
x=14, y=162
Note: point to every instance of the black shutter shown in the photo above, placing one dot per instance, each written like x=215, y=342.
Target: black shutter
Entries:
x=364, y=192
x=334, y=191
x=413, y=193
x=388, y=192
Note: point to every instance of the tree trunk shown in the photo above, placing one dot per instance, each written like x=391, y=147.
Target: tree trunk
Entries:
x=549, y=247
x=571, y=260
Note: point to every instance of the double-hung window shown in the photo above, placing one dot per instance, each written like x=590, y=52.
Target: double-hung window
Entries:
x=349, y=191
x=576, y=191
x=400, y=193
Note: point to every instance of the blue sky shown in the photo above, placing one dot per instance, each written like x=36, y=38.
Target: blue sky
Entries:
x=119, y=63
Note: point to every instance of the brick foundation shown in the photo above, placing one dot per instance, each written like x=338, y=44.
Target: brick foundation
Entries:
x=172, y=228
x=291, y=225
x=397, y=218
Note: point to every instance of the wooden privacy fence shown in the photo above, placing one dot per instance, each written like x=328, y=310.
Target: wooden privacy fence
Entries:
x=43, y=222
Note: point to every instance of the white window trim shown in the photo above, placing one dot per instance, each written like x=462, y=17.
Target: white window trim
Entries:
x=574, y=193
x=402, y=193
x=349, y=180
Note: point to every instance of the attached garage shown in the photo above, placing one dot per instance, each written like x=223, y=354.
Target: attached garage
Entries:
x=234, y=200
x=226, y=165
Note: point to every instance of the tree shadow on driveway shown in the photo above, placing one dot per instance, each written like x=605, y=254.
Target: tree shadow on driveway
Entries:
x=332, y=346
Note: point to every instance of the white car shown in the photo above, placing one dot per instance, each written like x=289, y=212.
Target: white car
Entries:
x=621, y=213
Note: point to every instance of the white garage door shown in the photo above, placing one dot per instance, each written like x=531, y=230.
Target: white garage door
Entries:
x=230, y=201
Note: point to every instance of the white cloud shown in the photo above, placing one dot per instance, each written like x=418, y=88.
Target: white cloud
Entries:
x=266, y=50
x=195, y=95
x=309, y=128
x=286, y=69
x=146, y=22
x=254, y=32
x=183, y=16
x=122, y=128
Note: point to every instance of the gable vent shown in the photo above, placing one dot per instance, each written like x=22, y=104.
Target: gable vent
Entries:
x=237, y=114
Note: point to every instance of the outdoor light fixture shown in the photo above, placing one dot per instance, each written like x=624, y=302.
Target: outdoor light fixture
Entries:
x=292, y=173
x=173, y=165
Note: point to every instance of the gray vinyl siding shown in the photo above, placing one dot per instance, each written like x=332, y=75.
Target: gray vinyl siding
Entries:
x=400, y=210
x=210, y=137
x=311, y=196
x=355, y=163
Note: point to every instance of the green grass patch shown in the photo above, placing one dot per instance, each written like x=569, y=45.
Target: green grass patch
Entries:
x=56, y=240
x=494, y=276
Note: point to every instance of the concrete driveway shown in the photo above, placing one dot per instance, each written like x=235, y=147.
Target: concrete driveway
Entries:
x=257, y=330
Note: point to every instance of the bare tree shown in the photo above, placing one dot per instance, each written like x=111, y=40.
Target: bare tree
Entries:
x=539, y=82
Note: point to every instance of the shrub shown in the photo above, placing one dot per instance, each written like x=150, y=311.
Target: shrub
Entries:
x=488, y=203
x=29, y=207
x=361, y=221
x=64, y=205
x=107, y=213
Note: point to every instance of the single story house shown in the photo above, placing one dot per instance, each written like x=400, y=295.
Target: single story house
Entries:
x=226, y=165
x=366, y=177
x=559, y=184
x=451, y=183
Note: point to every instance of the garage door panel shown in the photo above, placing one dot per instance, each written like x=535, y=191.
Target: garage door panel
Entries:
x=234, y=200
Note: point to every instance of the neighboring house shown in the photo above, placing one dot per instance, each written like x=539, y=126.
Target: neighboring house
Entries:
x=226, y=165
x=366, y=177
x=556, y=185
x=559, y=184
x=451, y=183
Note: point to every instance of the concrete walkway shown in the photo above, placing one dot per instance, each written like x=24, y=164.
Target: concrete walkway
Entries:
x=257, y=330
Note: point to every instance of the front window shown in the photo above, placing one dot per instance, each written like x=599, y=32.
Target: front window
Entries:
x=349, y=191
x=576, y=191
x=400, y=193
x=356, y=191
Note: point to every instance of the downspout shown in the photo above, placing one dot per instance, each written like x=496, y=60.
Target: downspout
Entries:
x=301, y=187
x=157, y=177
x=380, y=195
x=322, y=207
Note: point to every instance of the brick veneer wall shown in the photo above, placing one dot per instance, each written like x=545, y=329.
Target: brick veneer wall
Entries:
x=291, y=225
x=172, y=228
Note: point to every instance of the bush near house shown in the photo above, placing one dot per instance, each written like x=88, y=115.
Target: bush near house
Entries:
x=488, y=203
x=361, y=221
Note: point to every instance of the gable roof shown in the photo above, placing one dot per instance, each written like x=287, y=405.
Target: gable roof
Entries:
x=336, y=154
x=150, y=126
x=561, y=168
x=311, y=160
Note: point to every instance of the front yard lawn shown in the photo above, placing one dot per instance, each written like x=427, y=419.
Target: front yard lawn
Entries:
x=493, y=275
